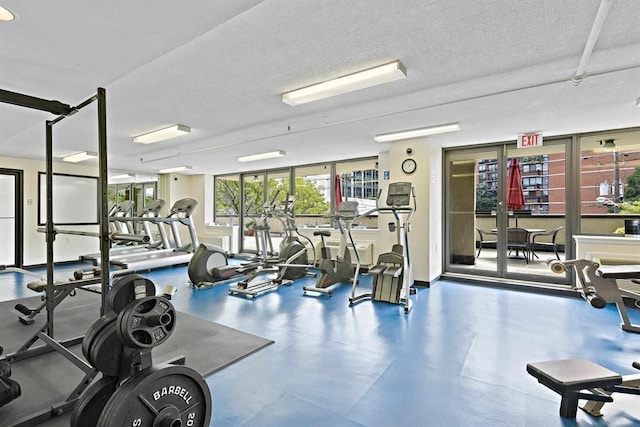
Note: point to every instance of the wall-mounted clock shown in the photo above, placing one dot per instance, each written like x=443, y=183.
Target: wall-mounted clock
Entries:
x=409, y=166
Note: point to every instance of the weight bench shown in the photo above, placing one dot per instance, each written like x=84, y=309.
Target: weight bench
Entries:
x=576, y=379
x=61, y=291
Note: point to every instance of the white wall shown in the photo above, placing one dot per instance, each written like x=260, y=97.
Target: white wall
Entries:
x=426, y=232
x=66, y=247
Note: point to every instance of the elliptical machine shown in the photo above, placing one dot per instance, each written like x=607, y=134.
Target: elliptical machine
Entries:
x=339, y=269
x=210, y=264
x=292, y=261
x=393, y=273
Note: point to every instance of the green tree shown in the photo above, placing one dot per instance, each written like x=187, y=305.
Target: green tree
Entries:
x=485, y=199
x=630, y=208
x=310, y=199
x=227, y=194
x=632, y=189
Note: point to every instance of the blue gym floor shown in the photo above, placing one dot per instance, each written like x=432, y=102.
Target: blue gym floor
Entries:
x=458, y=359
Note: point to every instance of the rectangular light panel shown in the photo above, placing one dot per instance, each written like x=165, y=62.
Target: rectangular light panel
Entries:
x=360, y=80
x=262, y=156
x=176, y=169
x=162, y=134
x=417, y=133
x=80, y=157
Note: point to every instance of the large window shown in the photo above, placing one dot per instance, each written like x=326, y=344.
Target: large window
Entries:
x=359, y=181
x=313, y=191
x=315, y=187
x=609, y=181
x=227, y=199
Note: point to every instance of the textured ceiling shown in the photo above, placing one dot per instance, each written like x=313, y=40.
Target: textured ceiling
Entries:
x=499, y=68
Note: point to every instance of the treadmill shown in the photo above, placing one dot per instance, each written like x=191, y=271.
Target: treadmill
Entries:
x=121, y=220
x=180, y=214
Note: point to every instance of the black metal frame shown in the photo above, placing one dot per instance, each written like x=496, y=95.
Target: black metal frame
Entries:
x=19, y=213
x=46, y=334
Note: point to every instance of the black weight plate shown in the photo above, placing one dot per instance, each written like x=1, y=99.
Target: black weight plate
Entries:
x=105, y=353
x=95, y=330
x=92, y=401
x=147, y=322
x=127, y=289
x=156, y=395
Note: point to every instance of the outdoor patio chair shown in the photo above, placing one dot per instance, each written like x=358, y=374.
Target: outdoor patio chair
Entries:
x=486, y=238
x=518, y=240
x=545, y=244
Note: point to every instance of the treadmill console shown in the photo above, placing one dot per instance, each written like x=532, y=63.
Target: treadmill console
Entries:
x=399, y=194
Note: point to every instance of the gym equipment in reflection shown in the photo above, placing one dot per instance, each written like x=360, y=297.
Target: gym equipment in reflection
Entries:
x=338, y=269
x=598, y=284
x=392, y=276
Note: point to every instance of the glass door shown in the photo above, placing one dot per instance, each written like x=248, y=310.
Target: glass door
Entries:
x=11, y=217
x=506, y=211
x=471, y=205
x=536, y=206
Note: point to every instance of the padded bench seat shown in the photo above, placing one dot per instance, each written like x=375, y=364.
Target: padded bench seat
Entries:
x=570, y=376
x=631, y=271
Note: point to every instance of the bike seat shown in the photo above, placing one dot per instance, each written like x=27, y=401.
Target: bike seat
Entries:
x=325, y=233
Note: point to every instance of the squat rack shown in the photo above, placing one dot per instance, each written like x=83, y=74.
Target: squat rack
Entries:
x=46, y=334
x=63, y=111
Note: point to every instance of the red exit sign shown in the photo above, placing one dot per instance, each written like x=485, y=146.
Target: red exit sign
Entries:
x=530, y=140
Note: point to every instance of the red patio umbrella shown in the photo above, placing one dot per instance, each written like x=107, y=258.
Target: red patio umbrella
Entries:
x=338, y=186
x=515, y=194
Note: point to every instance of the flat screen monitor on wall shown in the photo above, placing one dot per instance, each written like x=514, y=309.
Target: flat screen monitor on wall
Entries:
x=75, y=199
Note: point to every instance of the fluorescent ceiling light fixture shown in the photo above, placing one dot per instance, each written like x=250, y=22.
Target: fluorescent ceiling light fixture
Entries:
x=262, y=156
x=80, y=157
x=6, y=15
x=417, y=133
x=162, y=134
x=176, y=169
x=122, y=176
x=349, y=83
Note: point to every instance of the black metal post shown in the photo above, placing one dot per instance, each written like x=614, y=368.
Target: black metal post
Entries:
x=104, y=200
x=51, y=234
